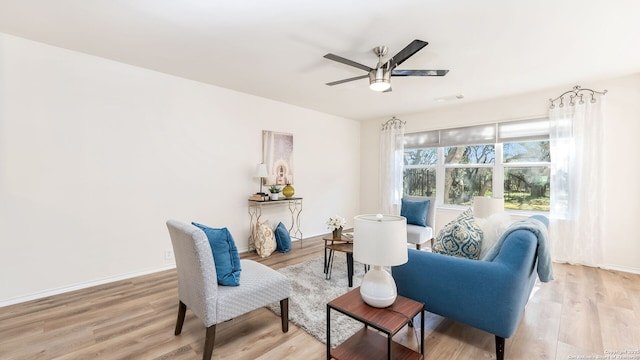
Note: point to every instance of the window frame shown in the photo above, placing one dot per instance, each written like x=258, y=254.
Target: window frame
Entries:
x=504, y=132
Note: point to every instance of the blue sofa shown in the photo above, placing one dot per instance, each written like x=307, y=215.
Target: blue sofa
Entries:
x=488, y=295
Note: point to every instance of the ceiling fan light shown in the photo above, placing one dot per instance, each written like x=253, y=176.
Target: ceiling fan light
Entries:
x=382, y=85
x=379, y=80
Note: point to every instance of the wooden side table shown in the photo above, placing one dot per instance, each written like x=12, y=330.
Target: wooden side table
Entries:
x=367, y=344
x=331, y=245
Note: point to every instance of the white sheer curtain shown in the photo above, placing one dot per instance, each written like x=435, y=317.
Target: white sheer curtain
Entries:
x=577, y=186
x=391, y=165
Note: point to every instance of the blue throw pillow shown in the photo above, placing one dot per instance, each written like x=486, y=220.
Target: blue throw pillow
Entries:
x=415, y=211
x=225, y=255
x=283, y=240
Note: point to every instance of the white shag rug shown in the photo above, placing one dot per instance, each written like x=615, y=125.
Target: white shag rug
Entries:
x=310, y=293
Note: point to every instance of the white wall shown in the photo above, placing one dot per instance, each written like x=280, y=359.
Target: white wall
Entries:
x=621, y=146
x=96, y=155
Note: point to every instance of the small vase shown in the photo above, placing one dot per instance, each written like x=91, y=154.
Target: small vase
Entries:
x=337, y=233
x=288, y=191
x=274, y=196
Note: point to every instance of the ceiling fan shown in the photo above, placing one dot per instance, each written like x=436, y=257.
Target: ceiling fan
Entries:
x=379, y=77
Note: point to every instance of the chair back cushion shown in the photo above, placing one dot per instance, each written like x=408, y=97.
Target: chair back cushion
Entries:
x=419, y=210
x=225, y=254
x=197, y=285
x=415, y=211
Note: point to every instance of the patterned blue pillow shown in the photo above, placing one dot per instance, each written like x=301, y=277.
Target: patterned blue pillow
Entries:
x=415, y=211
x=225, y=255
x=461, y=237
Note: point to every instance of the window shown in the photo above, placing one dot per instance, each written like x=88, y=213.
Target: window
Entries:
x=468, y=173
x=420, y=172
x=526, y=175
x=509, y=160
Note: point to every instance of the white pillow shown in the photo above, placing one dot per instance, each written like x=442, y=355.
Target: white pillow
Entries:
x=265, y=241
x=492, y=228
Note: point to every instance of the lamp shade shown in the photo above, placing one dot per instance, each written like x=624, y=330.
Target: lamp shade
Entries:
x=380, y=239
x=261, y=171
x=484, y=206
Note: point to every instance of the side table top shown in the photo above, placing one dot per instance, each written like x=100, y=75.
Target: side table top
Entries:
x=342, y=239
x=390, y=319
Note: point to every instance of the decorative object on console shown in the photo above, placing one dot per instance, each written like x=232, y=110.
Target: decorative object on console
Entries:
x=277, y=154
x=258, y=197
x=461, y=237
x=274, y=190
x=336, y=224
x=261, y=172
x=379, y=240
x=288, y=191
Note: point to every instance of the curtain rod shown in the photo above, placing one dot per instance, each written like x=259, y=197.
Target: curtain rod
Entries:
x=577, y=91
x=394, y=122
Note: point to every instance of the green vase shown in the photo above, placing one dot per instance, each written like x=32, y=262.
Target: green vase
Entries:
x=288, y=191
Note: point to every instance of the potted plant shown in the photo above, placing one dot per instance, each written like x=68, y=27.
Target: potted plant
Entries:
x=335, y=224
x=274, y=190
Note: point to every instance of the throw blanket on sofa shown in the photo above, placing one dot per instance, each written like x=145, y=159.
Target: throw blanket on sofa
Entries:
x=545, y=268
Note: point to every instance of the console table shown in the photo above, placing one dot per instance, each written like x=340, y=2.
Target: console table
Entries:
x=294, y=204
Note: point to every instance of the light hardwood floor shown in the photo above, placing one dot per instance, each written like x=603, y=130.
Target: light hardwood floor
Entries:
x=585, y=312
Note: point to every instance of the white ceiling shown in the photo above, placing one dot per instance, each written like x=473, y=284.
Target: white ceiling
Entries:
x=275, y=48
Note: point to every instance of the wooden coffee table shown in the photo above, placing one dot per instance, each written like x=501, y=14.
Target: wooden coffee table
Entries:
x=368, y=344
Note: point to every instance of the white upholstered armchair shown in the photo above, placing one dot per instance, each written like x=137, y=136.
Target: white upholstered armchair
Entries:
x=420, y=224
x=199, y=291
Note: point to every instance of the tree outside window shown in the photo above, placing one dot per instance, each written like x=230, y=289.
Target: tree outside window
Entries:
x=469, y=172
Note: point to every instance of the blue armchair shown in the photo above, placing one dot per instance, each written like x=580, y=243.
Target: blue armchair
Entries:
x=488, y=295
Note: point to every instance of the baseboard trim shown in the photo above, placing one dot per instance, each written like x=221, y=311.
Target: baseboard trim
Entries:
x=622, y=268
x=65, y=289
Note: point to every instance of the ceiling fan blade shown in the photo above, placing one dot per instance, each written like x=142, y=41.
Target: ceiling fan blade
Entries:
x=397, y=72
x=407, y=52
x=347, y=80
x=342, y=60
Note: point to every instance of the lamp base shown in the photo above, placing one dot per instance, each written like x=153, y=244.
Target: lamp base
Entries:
x=378, y=289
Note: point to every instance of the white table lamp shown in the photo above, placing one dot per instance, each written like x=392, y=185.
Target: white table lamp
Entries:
x=484, y=206
x=261, y=172
x=379, y=240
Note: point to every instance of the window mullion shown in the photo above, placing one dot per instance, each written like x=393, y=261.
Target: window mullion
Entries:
x=498, y=173
x=440, y=177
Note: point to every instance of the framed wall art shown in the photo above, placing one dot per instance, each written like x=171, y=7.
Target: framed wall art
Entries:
x=277, y=155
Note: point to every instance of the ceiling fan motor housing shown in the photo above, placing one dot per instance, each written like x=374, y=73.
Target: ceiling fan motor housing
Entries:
x=380, y=79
